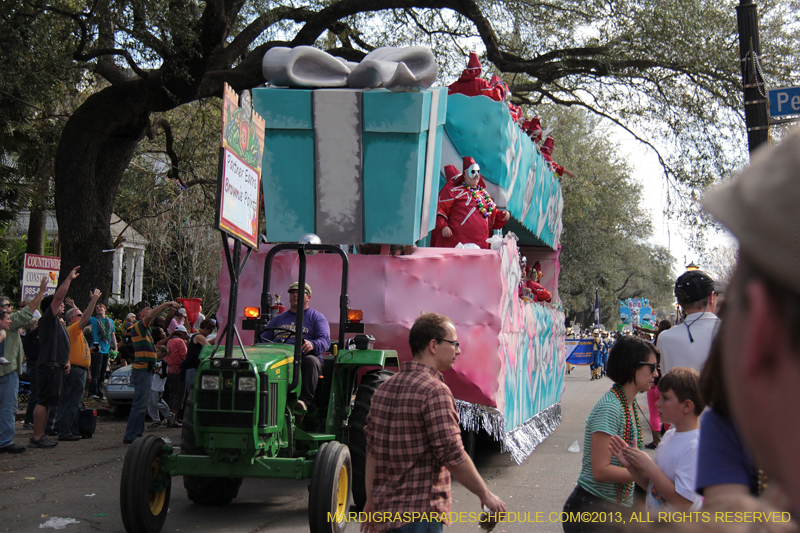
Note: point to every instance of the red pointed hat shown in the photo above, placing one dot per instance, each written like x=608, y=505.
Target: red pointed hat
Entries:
x=549, y=144
x=473, y=62
x=451, y=172
x=467, y=162
x=535, y=124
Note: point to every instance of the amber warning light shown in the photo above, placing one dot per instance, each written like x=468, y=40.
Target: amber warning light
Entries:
x=355, y=315
x=252, y=312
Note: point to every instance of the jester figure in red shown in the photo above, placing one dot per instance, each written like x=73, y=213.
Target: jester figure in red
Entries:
x=466, y=212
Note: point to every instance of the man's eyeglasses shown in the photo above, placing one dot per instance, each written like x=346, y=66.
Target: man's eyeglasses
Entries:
x=651, y=365
x=454, y=343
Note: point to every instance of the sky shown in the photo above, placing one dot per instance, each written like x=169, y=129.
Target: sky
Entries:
x=666, y=232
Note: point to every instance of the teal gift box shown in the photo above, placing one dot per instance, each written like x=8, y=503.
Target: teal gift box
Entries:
x=353, y=166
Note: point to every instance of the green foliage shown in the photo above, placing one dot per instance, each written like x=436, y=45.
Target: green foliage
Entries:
x=183, y=255
x=604, y=241
x=12, y=253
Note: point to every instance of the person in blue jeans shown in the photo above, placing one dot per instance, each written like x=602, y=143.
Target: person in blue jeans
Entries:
x=144, y=364
x=9, y=372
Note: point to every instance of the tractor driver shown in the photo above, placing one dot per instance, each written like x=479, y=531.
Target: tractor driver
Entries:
x=316, y=340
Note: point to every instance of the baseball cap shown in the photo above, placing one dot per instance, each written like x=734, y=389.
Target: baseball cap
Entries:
x=180, y=328
x=760, y=209
x=182, y=311
x=294, y=286
x=693, y=286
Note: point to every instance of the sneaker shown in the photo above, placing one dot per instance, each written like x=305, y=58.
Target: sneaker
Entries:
x=155, y=425
x=176, y=424
x=44, y=442
x=4, y=361
x=12, y=448
x=300, y=406
x=651, y=446
x=51, y=433
x=70, y=438
x=127, y=441
x=27, y=426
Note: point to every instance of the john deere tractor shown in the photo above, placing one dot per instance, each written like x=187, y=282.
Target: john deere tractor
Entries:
x=240, y=421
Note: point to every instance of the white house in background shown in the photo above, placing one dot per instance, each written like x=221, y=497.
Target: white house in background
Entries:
x=128, y=257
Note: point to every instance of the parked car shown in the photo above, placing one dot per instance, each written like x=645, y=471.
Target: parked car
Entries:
x=119, y=390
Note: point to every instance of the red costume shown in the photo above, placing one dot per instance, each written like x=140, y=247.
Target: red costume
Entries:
x=547, y=151
x=469, y=213
x=470, y=84
x=533, y=128
x=540, y=294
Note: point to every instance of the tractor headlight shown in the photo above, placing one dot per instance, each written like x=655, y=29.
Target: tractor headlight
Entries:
x=247, y=384
x=210, y=383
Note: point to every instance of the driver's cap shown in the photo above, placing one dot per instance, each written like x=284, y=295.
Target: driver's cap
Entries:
x=295, y=286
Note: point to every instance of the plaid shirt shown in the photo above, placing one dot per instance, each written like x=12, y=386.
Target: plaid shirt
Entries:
x=413, y=433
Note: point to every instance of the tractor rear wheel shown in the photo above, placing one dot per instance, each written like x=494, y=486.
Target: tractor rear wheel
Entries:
x=328, y=502
x=358, y=420
x=144, y=490
x=204, y=490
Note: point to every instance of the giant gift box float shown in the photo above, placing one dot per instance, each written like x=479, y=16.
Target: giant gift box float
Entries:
x=365, y=166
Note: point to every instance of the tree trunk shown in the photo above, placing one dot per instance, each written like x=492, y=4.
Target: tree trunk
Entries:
x=37, y=224
x=97, y=145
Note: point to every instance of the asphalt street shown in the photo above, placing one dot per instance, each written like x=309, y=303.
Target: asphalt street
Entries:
x=80, y=481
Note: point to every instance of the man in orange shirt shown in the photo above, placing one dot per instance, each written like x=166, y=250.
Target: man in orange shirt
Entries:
x=80, y=360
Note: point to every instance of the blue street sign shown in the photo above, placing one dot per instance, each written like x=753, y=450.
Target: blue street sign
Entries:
x=784, y=101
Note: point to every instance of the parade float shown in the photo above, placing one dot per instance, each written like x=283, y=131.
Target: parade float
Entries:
x=362, y=168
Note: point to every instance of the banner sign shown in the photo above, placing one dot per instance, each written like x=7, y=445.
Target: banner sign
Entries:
x=35, y=267
x=239, y=179
x=579, y=351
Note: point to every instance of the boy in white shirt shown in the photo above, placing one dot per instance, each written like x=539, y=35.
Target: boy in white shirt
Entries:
x=669, y=480
x=155, y=404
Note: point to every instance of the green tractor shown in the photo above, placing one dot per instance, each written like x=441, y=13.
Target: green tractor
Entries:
x=240, y=421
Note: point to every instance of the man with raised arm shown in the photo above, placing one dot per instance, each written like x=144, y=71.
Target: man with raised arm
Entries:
x=9, y=373
x=53, y=360
x=144, y=364
x=80, y=360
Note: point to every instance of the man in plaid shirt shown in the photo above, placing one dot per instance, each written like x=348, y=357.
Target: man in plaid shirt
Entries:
x=414, y=440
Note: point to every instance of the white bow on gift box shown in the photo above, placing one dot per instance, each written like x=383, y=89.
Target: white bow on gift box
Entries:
x=410, y=68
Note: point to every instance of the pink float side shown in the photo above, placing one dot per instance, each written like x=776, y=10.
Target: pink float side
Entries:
x=392, y=291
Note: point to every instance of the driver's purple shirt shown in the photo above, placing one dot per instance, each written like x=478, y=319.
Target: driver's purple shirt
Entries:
x=315, y=330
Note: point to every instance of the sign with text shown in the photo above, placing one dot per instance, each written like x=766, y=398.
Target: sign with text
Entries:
x=239, y=179
x=37, y=266
x=784, y=101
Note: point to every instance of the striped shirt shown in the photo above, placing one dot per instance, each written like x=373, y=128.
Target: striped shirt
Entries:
x=413, y=433
x=144, y=351
x=608, y=417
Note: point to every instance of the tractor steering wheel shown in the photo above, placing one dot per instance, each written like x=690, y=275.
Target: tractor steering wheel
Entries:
x=276, y=328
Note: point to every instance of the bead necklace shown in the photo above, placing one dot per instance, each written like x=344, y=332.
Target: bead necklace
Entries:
x=481, y=196
x=105, y=329
x=624, y=490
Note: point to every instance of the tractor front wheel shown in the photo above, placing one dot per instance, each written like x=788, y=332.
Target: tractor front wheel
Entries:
x=144, y=489
x=328, y=503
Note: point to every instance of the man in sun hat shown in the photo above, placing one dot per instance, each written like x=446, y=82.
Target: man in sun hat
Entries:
x=316, y=339
x=688, y=343
x=762, y=309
